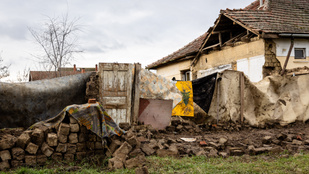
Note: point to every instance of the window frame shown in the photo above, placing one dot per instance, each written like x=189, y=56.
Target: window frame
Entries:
x=300, y=49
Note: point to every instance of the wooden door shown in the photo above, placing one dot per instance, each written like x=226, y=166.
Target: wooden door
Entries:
x=116, y=80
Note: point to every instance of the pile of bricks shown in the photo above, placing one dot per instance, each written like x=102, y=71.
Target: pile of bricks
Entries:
x=67, y=141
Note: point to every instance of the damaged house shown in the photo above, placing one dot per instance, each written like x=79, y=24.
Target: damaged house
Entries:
x=256, y=40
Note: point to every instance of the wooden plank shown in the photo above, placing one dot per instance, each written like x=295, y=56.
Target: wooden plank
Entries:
x=115, y=100
x=136, y=93
x=242, y=88
x=129, y=83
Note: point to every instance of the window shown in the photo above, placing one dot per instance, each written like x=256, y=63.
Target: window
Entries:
x=186, y=75
x=300, y=53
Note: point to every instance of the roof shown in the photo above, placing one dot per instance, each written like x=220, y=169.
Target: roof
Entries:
x=273, y=17
x=40, y=75
x=187, y=50
x=276, y=16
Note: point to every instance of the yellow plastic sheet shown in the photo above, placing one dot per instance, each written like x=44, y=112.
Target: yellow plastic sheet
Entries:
x=185, y=106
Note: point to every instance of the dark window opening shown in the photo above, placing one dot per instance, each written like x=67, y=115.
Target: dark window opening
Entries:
x=300, y=53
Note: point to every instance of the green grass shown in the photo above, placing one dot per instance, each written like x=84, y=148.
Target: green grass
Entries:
x=244, y=164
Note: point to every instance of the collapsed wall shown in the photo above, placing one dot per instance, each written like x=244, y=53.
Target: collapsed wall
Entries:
x=275, y=99
x=23, y=104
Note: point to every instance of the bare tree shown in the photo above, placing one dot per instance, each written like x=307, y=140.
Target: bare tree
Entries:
x=23, y=76
x=4, y=70
x=58, y=39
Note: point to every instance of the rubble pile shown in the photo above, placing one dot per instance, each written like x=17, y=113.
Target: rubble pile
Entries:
x=67, y=141
x=184, y=138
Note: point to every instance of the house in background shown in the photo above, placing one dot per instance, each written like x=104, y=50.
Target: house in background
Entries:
x=255, y=40
x=66, y=71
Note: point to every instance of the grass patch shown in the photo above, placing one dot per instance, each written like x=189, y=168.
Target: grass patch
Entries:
x=243, y=164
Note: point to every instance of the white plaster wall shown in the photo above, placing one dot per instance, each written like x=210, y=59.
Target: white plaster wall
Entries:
x=283, y=45
x=252, y=67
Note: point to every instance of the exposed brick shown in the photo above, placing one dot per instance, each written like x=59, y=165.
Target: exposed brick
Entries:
x=32, y=148
x=74, y=128
x=71, y=148
x=68, y=157
x=57, y=156
x=64, y=129
x=61, y=148
x=73, y=138
x=52, y=139
x=37, y=136
x=18, y=153
x=41, y=160
x=48, y=151
x=17, y=163
x=23, y=140
x=30, y=160
x=62, y=138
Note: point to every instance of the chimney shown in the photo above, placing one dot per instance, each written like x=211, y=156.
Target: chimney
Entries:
x=261, y=3
x=96, y=67
x=74, y=68
x=83, y=70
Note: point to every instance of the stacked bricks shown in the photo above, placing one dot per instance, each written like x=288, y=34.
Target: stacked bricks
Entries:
x=67, y=141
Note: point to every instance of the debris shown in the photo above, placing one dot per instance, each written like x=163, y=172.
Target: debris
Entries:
x=188, y=139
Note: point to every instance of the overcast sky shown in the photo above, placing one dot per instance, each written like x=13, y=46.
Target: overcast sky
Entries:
x=124, y=31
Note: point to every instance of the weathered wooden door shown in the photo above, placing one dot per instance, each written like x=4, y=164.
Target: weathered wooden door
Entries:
x=116, y=80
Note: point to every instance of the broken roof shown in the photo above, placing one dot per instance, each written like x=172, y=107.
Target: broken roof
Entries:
x=182, y=53
x=273, y=16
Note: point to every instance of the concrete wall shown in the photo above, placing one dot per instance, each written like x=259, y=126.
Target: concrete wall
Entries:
x=174, y=70
x=282, y=48
x=251, y=52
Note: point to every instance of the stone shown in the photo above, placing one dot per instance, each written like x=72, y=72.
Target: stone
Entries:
x=92, y=137
x=5, y=155
x=64, y=129
x=297, y=142
x=52, y=139
x=73, y=120
x=136, y=152
x=80, y=155
x=61, y=148
x=215, y=145
x=223, y=154
x=30, y=160
x=124, y=126
x=135, y=162
x=306, y=142
x=236, y=151
x=290, y=137
x=122, y=151
x=179, y=127
x=82, y=137
x=201, y=153
x=141, y=170
x=68, y=157
x=98, y=145
x=90, y=145
x=37, y=136
x=16, y=163
x=4, y=165
x=213, y=153
x=32, y=148
x=115, y=163
x=133, y=141
x=7, y=141
x=71, y=148
x=81, y=147
x=73, y=138
x=146, y=148
x=57, y=156
x=23, y=140
x=18, y=153
x=48, y=151
x=222, y=141
x=74, y=128
x=115, y=144
x=62, y=138
x=276, y=150
x=173, y=148
x=41, y=160
x=266, y=140
x=261, y=150
x=165, y=153
x=281, y=136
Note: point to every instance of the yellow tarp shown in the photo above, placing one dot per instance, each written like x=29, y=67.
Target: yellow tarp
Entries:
x=185, y=106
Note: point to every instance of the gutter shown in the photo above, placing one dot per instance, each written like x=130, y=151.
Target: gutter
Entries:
x=293, y=35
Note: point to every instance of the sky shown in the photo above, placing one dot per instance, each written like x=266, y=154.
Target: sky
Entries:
x=123, y=31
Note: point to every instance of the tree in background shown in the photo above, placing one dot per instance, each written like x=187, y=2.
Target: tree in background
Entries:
x=23, y=76
x=4, y=70
x=58, y=39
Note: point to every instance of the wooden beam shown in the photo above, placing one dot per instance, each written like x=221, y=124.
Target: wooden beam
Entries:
x=287, y=57
x=221, y=31
x=135, y=93
x=241, y=91
x=244, y=26
x=212, y=46
x=220, y=39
